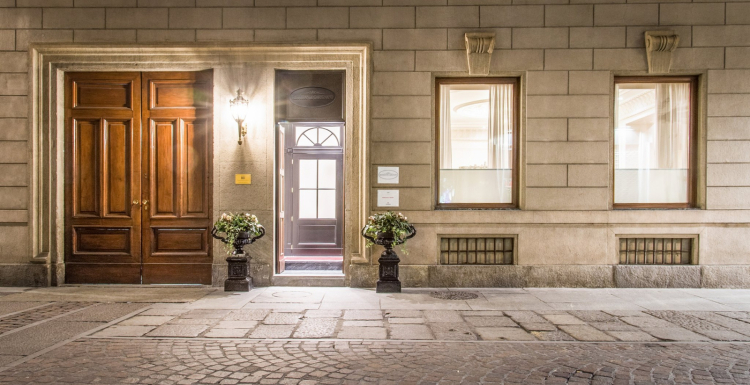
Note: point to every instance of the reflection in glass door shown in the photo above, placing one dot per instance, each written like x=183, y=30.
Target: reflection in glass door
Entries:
x=313, y=202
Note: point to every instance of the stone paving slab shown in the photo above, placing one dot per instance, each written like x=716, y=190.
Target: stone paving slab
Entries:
x=12, y=307
x=124, y=331
x=146, y=320
x=504, y=334
x=31, y=316
x=5, y=359
x=178, y=331
x=458, y=331
x=359, y=332
x=226, y=333
x=104, y=312
x=543, y=325
x=272, y=331
x=88, y=293
x=317, y=328
x=411, y=332
x=36, y=338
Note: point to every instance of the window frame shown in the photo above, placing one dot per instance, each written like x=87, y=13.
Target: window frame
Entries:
x=692, y=178
x=516, y=82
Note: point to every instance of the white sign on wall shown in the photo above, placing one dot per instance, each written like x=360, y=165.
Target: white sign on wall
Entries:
x=388, y=175
x=387, y=198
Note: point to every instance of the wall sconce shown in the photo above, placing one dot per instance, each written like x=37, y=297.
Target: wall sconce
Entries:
x=239, y=106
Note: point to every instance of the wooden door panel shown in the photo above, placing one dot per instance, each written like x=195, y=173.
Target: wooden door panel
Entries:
x=103, y=273
x=118, y=173
x=103, y=244
x=168, y=240
x=102, y=177
x=176, y=231
x=86, y=193
x=180, y=93
x=103, y=94
x=195, y=166
x=165, y=149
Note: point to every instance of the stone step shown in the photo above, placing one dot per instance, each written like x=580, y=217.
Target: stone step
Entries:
x=317, y=265
x=308, y=280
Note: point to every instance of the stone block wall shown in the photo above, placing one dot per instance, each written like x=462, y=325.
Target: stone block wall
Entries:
x=566, y=53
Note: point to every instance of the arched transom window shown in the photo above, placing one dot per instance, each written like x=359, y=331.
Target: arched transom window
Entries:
x=318, y=136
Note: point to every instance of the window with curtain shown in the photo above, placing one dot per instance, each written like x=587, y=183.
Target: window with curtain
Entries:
x=653, y=123
x=476, y=139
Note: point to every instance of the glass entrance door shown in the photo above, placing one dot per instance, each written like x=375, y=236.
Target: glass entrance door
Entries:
x=313, y=188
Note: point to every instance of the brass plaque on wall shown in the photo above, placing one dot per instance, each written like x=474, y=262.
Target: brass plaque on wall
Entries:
x=310, y=95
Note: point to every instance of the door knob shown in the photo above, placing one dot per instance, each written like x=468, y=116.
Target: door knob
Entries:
x=135, y=202
x=145, y=203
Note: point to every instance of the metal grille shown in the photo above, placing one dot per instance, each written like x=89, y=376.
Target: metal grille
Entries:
x=656, y=251
x=476, y=251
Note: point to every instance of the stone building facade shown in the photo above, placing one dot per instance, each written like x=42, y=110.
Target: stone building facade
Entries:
x=566, y=54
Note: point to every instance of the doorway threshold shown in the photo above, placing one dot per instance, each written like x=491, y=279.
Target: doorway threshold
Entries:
x=321, y=278
x=313, y=273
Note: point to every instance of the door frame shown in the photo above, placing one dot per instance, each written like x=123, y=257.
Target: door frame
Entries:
x=314, y=153
x=49, y=62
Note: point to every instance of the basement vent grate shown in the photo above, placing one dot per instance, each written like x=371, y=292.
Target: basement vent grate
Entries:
x=454, y=295
x=656, y=251
x=476, y=250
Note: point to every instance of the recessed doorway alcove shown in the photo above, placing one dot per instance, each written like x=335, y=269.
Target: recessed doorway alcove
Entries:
x=249, y=67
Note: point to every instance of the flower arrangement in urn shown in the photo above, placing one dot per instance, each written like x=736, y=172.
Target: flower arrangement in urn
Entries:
x=238, y=226
x=388, y=225
x=240, y=229
x=388, y=229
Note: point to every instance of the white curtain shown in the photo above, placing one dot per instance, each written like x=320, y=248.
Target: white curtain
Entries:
x=446, y=153
x=673, y=112
x=500, y=127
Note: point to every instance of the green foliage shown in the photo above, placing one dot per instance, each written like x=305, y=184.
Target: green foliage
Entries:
x=233, y=224
x=388, y=222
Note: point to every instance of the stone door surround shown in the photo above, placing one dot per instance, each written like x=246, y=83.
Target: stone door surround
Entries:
x=49, y=62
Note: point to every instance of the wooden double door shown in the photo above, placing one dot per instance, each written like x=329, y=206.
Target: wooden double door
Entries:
x=138, y=177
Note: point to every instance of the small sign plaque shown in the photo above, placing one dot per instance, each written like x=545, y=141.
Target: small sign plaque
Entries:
x=388, y=175
x=387, y=198
x=312, y=97
x=242, y=178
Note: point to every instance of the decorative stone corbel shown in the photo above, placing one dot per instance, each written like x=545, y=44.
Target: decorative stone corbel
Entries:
x=479, y=47
x=659, y=48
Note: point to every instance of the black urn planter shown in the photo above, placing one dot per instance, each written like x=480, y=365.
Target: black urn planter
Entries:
x=238, y=279
x=388, y=270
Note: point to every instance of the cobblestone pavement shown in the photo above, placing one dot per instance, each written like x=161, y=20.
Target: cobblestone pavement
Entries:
x=339, y=335
x=150, y=361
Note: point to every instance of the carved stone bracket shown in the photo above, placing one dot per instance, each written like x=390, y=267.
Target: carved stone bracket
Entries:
x=659, y=48
x=479, y=47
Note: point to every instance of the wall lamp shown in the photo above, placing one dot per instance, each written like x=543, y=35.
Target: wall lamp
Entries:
x=239, y=107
